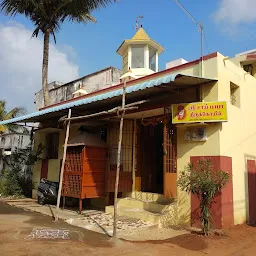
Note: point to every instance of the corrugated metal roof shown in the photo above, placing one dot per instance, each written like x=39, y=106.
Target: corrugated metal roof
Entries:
x=107, y=95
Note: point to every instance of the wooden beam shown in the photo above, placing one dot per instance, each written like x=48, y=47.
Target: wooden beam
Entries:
x=62, y=167
x=118, y=110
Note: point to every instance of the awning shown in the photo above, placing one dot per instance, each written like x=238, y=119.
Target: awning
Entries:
x=174, y=80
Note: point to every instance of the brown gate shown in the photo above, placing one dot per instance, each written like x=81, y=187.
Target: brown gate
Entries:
x=125, y=178
x=73, y=172
x=170, y=156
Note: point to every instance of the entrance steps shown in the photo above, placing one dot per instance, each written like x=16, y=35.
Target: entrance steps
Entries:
x=160, y=211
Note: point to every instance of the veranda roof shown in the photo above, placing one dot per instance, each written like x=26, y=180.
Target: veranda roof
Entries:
x=173, y=80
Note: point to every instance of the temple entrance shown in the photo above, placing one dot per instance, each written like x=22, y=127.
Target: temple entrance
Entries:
x=157, y=156
x=150, y=157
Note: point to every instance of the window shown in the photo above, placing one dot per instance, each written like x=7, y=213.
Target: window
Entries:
x=152, y=59
x=137, y=57
x=234, y=94
x=52, y=145
x=248, y=69
x=104, y=134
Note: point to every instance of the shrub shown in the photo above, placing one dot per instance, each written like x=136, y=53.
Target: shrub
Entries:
x=9, y=184
x=205, y=183
x=17, y=179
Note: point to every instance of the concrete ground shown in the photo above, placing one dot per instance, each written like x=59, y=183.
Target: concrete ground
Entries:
x=26, y=233
x=98, y=221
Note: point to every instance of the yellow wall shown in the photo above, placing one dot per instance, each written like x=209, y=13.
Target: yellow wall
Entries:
x=53, y=164
x=36, y=171
x=235, y=138
x=208, y=148
x=238, y=135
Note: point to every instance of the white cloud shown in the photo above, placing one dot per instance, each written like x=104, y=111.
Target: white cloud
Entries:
x=236, y=11
x=21, y=64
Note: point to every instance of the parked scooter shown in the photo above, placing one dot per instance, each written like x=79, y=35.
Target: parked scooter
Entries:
x=47, y=192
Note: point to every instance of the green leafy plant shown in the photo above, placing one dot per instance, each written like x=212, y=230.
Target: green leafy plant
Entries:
x=205, y=183
x=9, y=184
x=17, y=178
x=5, y=115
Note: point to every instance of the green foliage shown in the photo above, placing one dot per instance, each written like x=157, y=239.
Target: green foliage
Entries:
x=48, y=15
x=205, y=183
x=26, y=156
x=9, y=184
x=17, y=179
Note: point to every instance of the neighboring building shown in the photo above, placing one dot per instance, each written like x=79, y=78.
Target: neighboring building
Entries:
x=59, y=92
x=181, y=116
x=9, y=142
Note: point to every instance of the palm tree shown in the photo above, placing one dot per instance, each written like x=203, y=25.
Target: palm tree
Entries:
x=48, y=16
x=4, y=115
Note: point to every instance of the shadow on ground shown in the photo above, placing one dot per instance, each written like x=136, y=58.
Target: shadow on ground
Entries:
x=37, y=220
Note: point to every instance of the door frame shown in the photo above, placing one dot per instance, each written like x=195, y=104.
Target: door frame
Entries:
x=169, y=156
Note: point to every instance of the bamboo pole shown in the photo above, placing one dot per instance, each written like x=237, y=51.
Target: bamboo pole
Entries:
x=119, y=158
x=130, y=106
x=62, y=167
x=134, y=153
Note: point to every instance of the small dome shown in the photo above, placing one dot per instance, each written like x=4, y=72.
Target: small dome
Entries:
x=79, y=92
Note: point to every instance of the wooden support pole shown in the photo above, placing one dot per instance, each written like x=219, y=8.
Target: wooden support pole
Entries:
x=134, y=153
x=119, y=159
x=62, y=167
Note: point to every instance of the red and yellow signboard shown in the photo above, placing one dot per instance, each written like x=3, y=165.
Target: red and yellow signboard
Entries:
x=199, y=112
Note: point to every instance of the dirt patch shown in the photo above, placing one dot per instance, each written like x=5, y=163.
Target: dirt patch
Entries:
x=37, y=220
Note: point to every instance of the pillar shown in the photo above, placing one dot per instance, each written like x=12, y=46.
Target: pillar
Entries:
x=222, y=209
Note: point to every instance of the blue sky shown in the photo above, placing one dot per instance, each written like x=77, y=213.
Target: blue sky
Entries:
x=228, y=24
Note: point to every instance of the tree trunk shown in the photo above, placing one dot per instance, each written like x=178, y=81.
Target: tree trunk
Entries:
x=45, y=68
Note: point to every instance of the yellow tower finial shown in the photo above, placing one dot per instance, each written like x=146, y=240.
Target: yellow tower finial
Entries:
x=137, y=22
x=140, y=54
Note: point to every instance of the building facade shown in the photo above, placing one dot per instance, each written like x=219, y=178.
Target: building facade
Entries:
x=155, y=147
x=9, y=142
x=59, y=92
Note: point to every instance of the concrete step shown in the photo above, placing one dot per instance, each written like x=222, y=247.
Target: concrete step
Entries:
x=153, y=207
x=136, y=213
x=149, y=197
x=150, y=211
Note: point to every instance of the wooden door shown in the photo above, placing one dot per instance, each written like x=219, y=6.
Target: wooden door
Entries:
x=44, y=169
x=94, y=171
x=251, y=166
x=170, y=157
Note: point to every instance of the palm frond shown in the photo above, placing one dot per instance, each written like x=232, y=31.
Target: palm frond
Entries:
x=2, y=109
x=4, y=115
x=15, y=113
x=49, y=14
